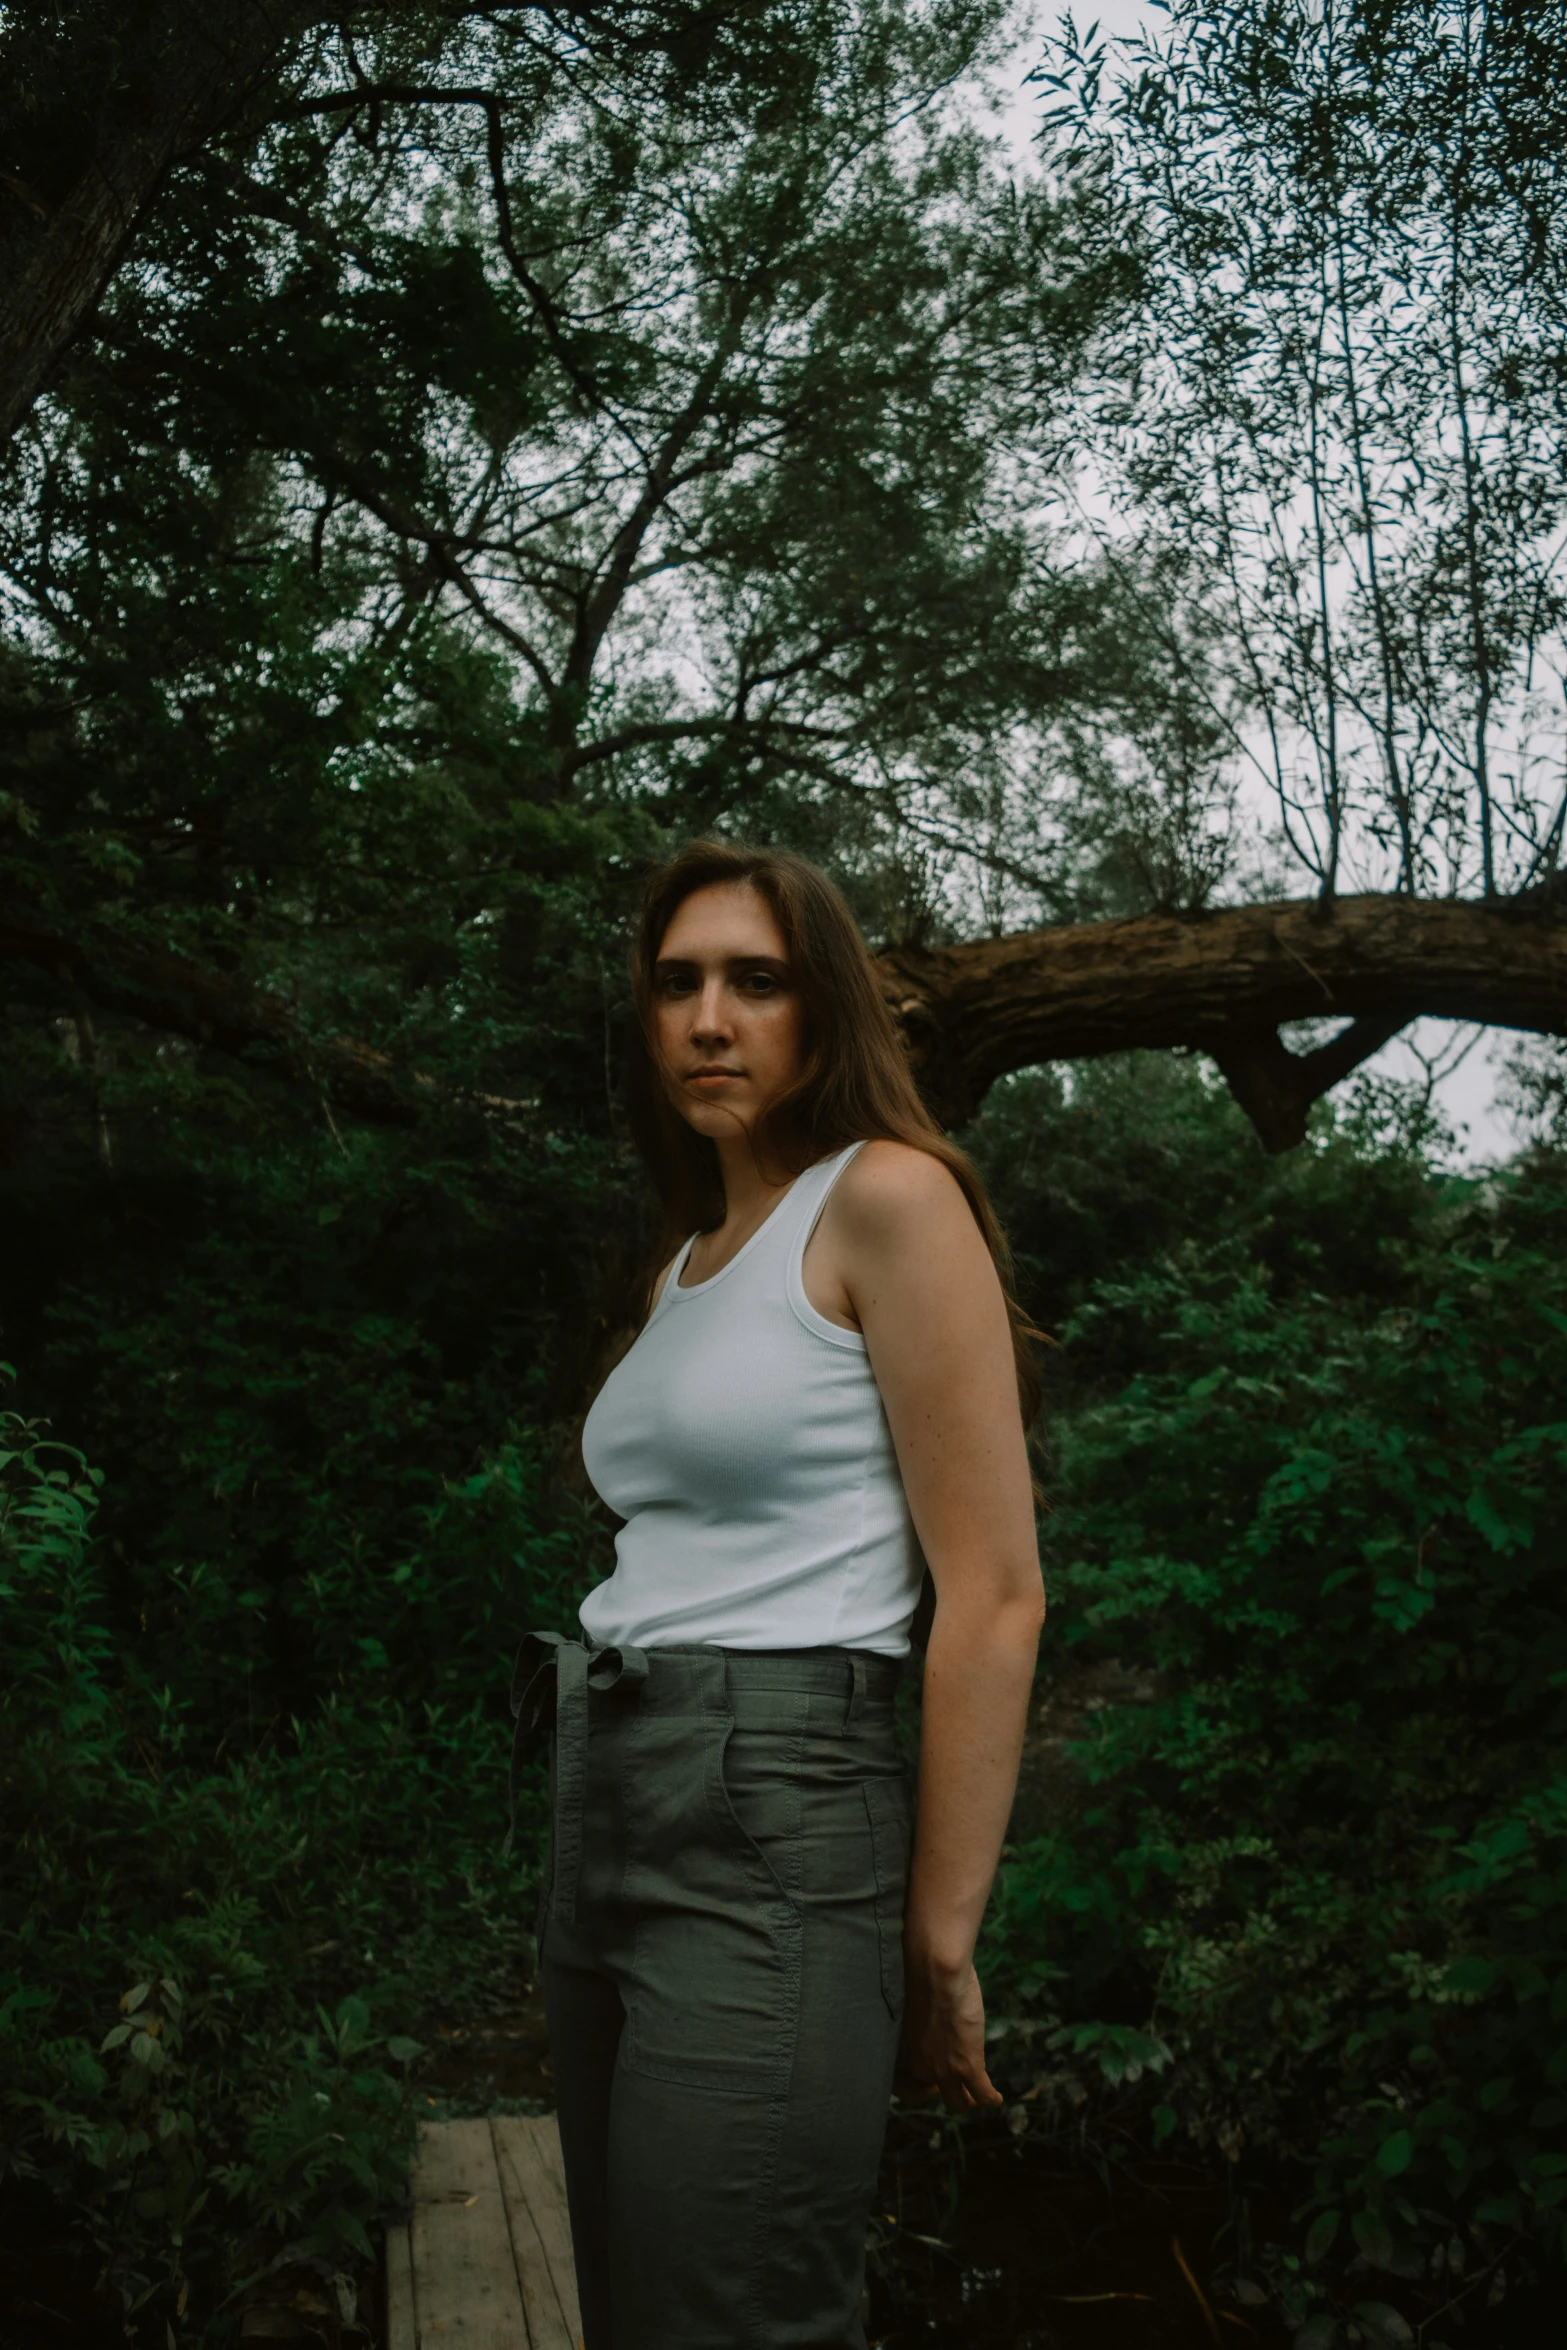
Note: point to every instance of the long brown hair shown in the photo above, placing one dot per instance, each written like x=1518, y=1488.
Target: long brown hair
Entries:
x=855, y=1084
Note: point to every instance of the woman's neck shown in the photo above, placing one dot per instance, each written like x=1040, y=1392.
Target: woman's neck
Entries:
x=750, y=1194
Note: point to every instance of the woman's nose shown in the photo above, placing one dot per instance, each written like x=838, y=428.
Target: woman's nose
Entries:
x=712, y=1015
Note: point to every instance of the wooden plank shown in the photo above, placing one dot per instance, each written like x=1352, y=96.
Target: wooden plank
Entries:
x=548, y=2325
x=466, y=2295
x=533, y=2179
x=555, y=2220
x=401, y=2330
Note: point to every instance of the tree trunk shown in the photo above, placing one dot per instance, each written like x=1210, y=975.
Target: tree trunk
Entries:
x=86, y=136
x=1221, y=983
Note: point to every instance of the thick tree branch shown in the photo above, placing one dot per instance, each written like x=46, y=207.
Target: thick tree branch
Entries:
x=1221, y=983
x=758, y=734
x=97, y=103
x=173, y=992
x=1276, y=1087
x=165, y=90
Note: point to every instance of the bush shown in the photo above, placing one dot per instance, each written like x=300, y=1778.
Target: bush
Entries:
x=211, y=1966
x=1315, y=1877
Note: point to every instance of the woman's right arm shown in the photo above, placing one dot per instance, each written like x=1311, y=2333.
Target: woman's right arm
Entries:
x=927, y=1295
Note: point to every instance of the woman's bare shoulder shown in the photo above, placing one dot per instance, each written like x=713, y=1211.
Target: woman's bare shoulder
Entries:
x=895, y=1191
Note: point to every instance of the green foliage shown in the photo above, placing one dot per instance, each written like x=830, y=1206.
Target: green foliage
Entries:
x=1314, y=1509
x=1122, y=1163
x=210, y=1960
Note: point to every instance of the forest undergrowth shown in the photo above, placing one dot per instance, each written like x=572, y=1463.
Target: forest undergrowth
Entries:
x=1287, y=1890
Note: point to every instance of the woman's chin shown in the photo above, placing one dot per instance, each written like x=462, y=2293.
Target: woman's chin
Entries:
x=719, y=1121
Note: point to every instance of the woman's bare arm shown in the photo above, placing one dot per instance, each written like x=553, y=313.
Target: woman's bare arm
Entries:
x=918, y=1278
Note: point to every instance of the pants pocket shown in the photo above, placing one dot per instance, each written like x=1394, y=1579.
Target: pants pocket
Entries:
x=713, y=2004
x=889, y=1810
x=754, y=1797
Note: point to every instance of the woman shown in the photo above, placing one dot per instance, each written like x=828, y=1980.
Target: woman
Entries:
x=824, y=1397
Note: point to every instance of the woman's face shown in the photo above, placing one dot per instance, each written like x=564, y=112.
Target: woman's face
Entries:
x=729, y=1022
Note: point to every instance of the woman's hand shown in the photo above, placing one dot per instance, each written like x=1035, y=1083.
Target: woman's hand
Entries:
x=943, y=2048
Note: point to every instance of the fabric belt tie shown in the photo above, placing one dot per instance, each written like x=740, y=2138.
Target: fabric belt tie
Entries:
x=574, y=1669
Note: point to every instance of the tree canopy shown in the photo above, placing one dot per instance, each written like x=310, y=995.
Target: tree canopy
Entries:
x=503, y=429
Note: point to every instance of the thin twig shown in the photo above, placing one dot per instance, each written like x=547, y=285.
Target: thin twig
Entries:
x=1202, y=2299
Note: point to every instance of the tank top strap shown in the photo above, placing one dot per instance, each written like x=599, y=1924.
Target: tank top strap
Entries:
x=671, y=1281
x=808, y=1196
x=774, y=1250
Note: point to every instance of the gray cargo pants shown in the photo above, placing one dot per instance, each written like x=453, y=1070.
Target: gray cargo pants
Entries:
x=722, y=1962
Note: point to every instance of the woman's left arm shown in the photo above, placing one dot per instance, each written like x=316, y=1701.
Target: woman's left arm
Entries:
x=927, y=1296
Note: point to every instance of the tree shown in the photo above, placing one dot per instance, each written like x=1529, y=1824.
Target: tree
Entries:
x=490, y=423
x=102, y=100
x=1344, y=446
x=726, y=423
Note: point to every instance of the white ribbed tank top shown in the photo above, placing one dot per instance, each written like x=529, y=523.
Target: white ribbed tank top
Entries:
x=743, y=1440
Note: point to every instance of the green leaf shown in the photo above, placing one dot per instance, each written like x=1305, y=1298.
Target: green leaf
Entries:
x=353, y=2231
x=1471, y=1978
x=352, y=2025
x=1320, y=2236
x=1395, y=2154
x=1374, y=2237
x=1488, y=1521
x=1381, y=2326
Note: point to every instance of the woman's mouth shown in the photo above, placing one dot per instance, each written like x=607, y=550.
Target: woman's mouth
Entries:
x=709, y=1080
